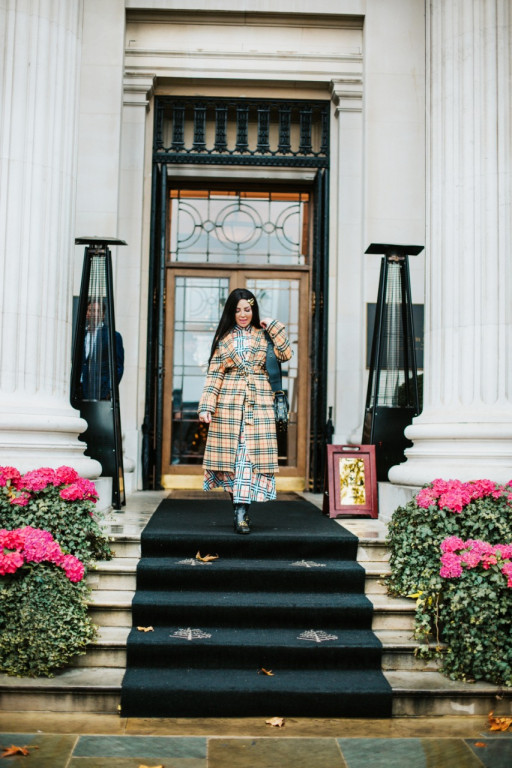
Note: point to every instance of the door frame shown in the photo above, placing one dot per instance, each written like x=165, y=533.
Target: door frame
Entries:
x=233, y=116
x=290, y=478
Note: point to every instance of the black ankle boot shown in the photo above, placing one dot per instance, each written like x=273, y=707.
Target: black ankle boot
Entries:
x=241, y=520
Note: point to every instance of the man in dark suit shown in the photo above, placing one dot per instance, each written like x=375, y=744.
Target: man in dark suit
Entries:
x=95, y=378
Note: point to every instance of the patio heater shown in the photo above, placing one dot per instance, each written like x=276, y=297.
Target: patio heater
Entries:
x=97, y=364
x=392, y=398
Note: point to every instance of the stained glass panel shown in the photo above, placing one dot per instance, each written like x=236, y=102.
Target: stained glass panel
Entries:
x=238, y=227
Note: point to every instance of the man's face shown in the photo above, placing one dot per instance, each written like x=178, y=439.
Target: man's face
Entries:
x=94, y=314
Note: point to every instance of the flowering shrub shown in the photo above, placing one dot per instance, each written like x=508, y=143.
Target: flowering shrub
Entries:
x=43, y=621
x=48, y=537
x=33, y=545
x=451, y=549
x=58, y=501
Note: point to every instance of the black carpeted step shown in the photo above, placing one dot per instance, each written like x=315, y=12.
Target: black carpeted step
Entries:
x=179, y=692
x=216, y=625
x=234, y=574
x=249, y=609
x=289, y=529
x=214, y=647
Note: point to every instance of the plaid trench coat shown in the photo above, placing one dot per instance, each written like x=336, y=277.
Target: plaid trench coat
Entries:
x=237, y=389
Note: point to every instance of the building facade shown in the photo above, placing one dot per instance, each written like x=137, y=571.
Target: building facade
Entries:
x=263, y=145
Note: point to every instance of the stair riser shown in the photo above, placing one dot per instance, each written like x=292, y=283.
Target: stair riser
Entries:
x=275, y=617
x=125, y=582
x=372, y=552
x=427, y=705
x=256, y=704
x=111, y=617
x=387, y=619
x=126, y=548
x=211, y=578
x=102, y=657
x=248, y=547
x=273, y=659
x=60, y=701
x=128, y=582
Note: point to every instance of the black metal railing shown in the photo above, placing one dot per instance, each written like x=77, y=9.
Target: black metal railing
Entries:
x=242, y=131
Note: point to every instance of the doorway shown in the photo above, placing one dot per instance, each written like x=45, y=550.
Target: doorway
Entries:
x=196, y=298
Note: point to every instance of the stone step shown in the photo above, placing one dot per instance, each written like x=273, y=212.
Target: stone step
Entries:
x=97, y=689
x=120, y=574
x=109, y=650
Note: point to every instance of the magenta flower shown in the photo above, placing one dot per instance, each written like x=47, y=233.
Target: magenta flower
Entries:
x=426, y=497
x=73, y=568
x=450, y=566
x=35, y=545
x=21, y=500
x=452, y=544
x=9, y=474
x=38, y=479
x=65, y=475
x=80, y=490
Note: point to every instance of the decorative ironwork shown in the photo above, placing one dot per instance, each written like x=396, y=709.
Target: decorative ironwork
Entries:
x=308, y=564
x=239, y=227
x=282, y=133
x=191, y=634
x=317, y=636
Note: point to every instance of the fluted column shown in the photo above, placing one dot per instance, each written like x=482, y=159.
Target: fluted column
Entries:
x=40, y=43
x=465, y=430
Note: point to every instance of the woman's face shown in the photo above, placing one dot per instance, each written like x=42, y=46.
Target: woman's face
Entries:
x=243, y=313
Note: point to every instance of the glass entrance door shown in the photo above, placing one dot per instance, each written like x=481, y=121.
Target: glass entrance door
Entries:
x=195, y=298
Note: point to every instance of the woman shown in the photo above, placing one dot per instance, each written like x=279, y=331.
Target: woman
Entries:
x=238, y=404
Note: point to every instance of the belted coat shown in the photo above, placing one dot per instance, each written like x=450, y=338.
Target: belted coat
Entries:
x=238, y=388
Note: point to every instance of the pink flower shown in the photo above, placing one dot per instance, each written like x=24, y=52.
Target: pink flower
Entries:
x=506, y=569
x=10, y=561
x=65, y=475
x=425, y=498
x=38, y=479
x=81, y=489
x=452, y=544
x=450, y=566
x=21, y=500
x=481, y=488
x=9, y=474
x=455, y=497
x=35, y=545
x=73, y=568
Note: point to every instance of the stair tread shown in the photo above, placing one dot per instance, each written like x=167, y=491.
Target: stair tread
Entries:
x=268, y=637
x=253, y=599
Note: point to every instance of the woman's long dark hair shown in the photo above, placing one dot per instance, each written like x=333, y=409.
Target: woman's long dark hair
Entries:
x=228, y=318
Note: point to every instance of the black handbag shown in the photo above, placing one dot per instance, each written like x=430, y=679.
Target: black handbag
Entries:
x=281, y=406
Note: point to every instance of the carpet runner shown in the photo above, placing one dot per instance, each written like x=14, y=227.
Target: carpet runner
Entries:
x=288, y=598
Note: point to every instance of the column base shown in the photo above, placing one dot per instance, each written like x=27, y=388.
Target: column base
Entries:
x=456, y=451
x=46, y=436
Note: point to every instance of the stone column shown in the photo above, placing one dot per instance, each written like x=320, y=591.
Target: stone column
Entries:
x=465, y=430
x=346, y=308
x=38, y=92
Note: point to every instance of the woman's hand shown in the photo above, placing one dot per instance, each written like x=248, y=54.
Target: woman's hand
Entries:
x=264, y=322
x=205, y=417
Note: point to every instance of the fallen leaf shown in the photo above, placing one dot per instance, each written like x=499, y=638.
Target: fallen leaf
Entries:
x=150, y=766
x=277, y=722
x=206, y=558
x=145, y=629
x=480, y=744
x=499, y=723
x=266, y=672
x=14, y=750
